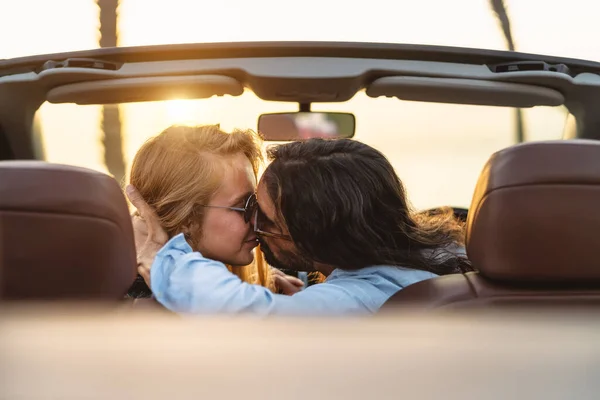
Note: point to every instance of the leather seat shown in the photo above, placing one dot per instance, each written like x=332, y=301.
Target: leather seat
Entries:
x=66, y=234
x=533, y=233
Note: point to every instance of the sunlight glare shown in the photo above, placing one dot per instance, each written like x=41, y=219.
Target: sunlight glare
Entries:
x=182, y=112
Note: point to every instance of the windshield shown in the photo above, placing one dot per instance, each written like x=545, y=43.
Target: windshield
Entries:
x=438, y=150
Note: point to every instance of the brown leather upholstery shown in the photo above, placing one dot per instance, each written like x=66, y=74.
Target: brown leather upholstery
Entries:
x=532, y=231
x=66, y=233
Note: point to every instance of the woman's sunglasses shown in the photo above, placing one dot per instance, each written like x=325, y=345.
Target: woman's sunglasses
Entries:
x=248, y=211
x=252, y=212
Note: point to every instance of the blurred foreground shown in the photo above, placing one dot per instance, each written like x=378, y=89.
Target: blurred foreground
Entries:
x=82, y=353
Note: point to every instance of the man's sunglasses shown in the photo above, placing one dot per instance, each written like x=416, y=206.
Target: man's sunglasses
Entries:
x=259, y=218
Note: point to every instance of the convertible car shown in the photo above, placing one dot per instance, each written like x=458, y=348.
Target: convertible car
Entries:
x=531, y=212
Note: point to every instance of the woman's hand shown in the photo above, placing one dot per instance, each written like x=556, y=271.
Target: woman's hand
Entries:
x=149, y=236
x=287, y=284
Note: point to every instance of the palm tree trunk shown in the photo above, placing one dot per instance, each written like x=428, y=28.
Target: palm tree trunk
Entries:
x=519, y=125
x=111, y=119
x=502, y=15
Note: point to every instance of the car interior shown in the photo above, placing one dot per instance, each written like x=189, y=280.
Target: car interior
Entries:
x=528, y=233
x=66, y=231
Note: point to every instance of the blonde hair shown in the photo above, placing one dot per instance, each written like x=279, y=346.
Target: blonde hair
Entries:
x=176, y=170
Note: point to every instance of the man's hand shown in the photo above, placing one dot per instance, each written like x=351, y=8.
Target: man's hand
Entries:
x=149, y=236
x=140, y=231
x=287, y=284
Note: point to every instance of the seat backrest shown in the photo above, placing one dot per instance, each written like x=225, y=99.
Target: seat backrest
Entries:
x=66, y=234
x=532, y=232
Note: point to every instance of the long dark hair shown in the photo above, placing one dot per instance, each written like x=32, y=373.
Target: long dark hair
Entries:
x=344, y=206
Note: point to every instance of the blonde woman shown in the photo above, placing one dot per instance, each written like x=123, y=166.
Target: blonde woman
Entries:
x=198, y=180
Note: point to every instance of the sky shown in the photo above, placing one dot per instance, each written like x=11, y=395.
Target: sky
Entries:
x=437, y=150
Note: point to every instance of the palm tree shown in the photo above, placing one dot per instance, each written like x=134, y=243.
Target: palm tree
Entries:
x=111, y=118
x=500, y=10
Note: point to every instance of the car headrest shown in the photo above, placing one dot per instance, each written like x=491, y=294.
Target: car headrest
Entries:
x=535, y=214
x=66, y=234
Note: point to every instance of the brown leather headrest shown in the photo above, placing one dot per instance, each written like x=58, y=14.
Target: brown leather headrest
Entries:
x=66, y=233
x=535, y=214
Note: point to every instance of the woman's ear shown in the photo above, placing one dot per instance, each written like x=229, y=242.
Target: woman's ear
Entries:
x=186, y=231
x=190, y=230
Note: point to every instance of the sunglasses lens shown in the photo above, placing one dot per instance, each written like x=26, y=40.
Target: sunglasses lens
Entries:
x=251, y=206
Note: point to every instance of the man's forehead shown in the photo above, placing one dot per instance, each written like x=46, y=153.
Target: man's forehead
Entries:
x=265, y=203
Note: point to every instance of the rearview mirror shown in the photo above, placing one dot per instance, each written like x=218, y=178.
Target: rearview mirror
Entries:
x=306, y=125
